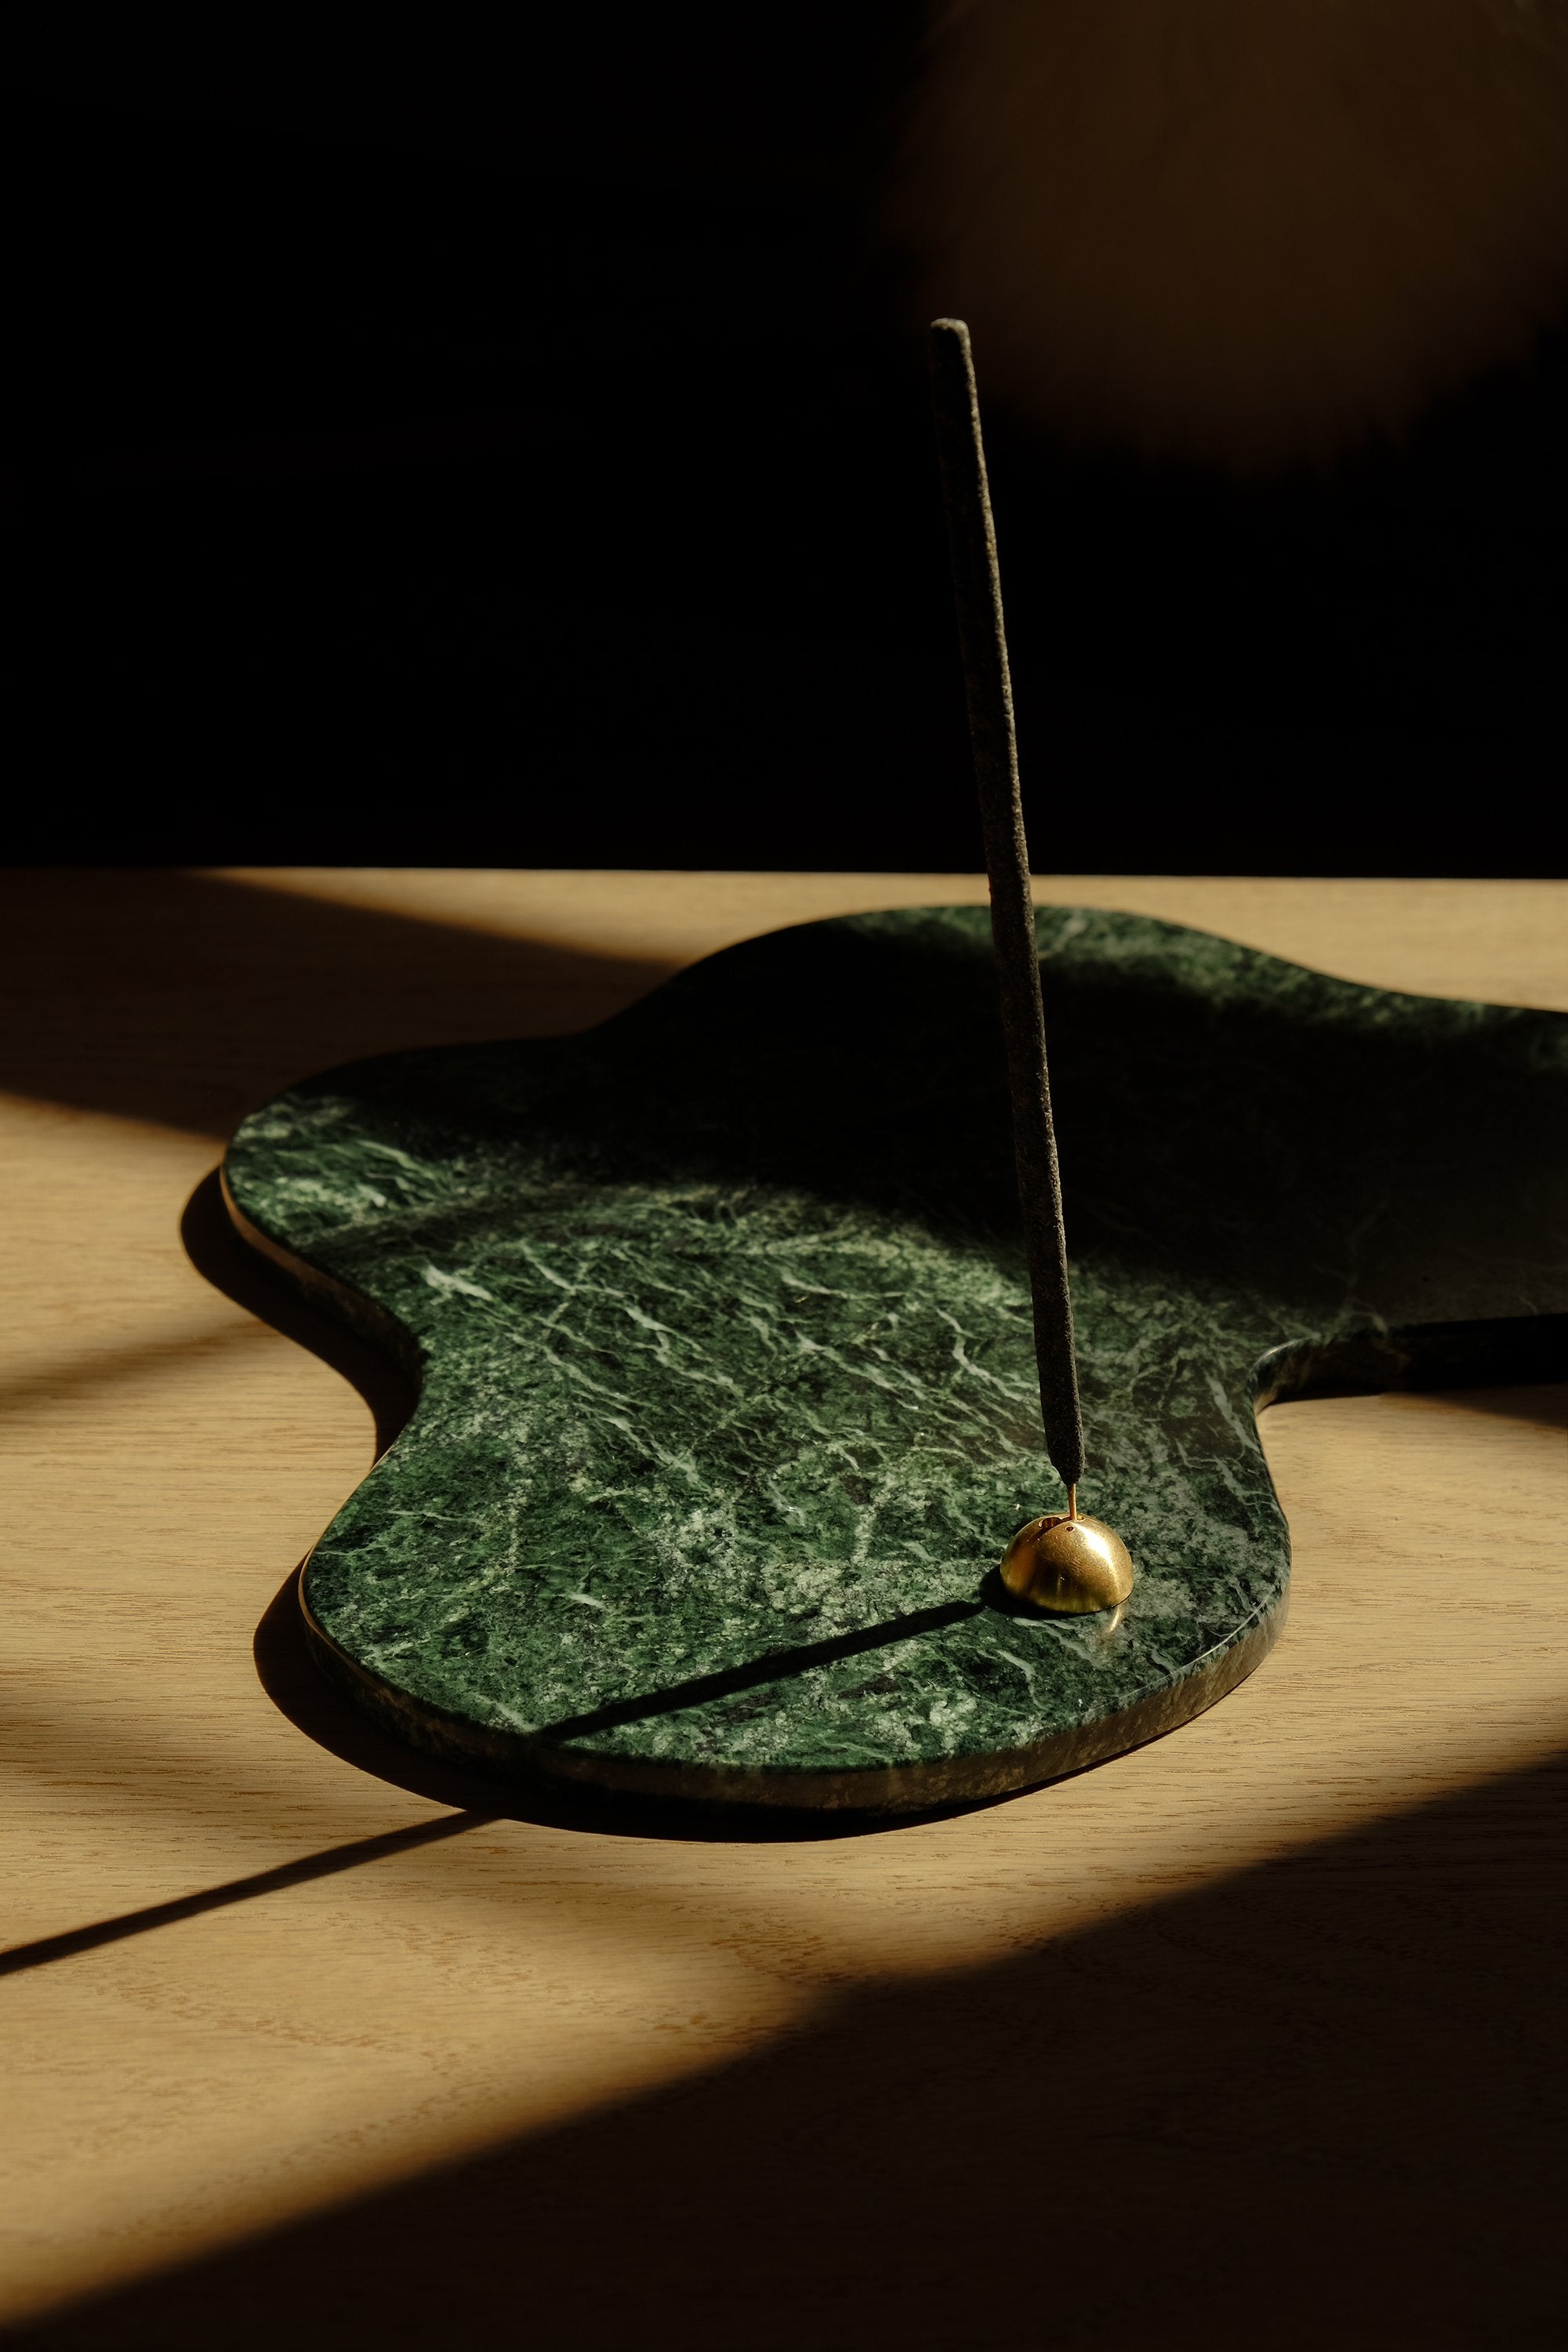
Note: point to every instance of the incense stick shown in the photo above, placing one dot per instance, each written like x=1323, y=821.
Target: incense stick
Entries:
x=977, y=588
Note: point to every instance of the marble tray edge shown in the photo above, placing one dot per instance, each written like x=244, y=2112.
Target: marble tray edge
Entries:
x=523, y=1759
x=338, y=1300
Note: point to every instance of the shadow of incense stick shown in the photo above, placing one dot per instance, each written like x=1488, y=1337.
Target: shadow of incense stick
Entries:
x=327, y=1864
x=774, y=1666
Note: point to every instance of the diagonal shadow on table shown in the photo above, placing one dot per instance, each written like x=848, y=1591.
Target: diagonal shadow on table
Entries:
x=1316, y=2103
x=189, y=999
x=46, y=1950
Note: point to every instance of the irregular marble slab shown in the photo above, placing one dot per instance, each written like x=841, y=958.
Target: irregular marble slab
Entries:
x=728, y=1403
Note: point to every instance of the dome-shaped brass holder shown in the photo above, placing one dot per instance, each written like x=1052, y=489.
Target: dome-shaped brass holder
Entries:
x=1067, y=1564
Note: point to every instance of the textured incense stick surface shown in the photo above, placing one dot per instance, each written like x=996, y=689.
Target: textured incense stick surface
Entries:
x=988, y=692
x=728, y=1402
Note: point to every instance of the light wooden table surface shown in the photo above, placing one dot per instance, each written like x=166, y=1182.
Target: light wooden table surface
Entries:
x=1250, y=2038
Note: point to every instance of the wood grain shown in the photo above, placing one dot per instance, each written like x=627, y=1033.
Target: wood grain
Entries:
x=306, y=2043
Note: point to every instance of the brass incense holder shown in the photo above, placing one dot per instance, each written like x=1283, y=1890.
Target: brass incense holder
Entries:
x=1067, y=1564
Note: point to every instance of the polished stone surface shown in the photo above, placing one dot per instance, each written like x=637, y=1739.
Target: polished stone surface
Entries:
x=728, y=1405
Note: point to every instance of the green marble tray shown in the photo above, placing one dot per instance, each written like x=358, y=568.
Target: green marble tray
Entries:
x=728, y=1403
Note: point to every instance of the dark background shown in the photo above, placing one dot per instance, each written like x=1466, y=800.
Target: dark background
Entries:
x=456, y=438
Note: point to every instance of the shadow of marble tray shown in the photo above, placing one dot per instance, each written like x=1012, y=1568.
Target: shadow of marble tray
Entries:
x=728, y=1403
